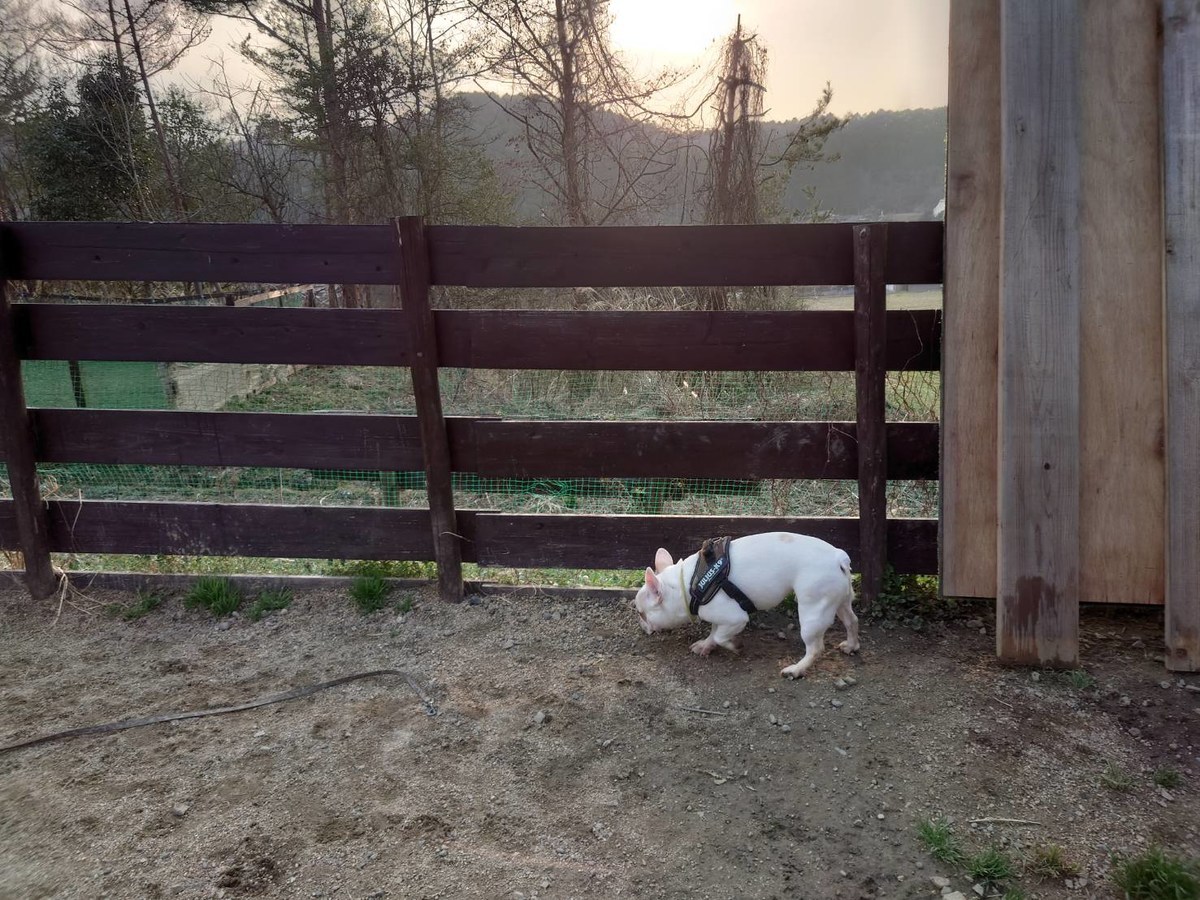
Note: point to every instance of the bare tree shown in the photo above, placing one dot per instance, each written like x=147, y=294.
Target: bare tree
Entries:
x=586, y=120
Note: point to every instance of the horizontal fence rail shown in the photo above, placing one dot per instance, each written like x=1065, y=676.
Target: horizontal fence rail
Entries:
x=473, y=447
x=817, y=340
x=492, y=448
x=469, y=256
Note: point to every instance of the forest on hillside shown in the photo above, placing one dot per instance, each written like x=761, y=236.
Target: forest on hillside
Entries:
x=364, y=109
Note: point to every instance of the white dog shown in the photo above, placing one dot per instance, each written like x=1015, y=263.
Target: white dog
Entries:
x=763, y=568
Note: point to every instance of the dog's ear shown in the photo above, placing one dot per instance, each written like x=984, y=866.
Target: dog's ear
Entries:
x=662, y=560
x=653, y=584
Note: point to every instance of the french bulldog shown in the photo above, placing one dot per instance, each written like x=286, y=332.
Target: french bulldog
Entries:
x=765, y=567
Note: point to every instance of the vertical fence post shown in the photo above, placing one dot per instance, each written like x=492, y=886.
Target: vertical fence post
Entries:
x=20, y=449
x=870, y=371
x=435, y=444
x=1181, y=158
x=1037, y=558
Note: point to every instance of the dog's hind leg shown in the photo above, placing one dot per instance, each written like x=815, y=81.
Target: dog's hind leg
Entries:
x=813, y=625
x=845, y=614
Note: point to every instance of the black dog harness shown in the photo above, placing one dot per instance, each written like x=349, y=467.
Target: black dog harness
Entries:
x=713, y=571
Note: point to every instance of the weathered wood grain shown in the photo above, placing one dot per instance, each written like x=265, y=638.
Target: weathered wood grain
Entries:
x=1038, y=552
x=1181, y=164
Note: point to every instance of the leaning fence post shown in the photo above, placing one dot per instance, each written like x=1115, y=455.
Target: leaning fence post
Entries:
x=870, y=371
x=20, y=446
x=435, y=445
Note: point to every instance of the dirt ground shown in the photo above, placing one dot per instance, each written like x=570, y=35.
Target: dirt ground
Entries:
x=567, y=757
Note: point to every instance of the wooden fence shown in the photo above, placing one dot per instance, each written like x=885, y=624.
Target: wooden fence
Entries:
x=868, y=341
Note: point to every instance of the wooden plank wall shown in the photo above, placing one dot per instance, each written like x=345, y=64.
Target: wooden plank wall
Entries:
x=1181, y=146
x=1121, y=479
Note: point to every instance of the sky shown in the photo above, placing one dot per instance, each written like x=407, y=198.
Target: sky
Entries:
x=877, y=54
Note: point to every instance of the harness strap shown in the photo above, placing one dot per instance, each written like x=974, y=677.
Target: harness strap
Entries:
x=714, y=576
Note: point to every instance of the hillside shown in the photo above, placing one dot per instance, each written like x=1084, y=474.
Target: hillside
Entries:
x=890, y=165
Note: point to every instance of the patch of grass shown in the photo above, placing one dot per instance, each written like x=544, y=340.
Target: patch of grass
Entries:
x=1079, y=679
x=269, y=601
x=911, y=600
x=1014, y=893
x=1050, y=861
x=1115, y=778
x=369, y=593
x=382, y=569
x=220, y=596
x=144, y=604
x=1157, y=875
x=991, y=866
x=1166, y=777
x=941, y=842
x=404, y=605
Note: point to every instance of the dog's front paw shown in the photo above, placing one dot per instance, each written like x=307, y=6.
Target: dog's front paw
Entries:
x=792, y=672
x=703, y=648
x=848, y=648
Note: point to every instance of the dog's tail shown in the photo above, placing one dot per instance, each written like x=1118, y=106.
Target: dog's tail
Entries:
x=844, y=565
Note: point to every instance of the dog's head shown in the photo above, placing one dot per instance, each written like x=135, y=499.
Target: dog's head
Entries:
x=657, y=604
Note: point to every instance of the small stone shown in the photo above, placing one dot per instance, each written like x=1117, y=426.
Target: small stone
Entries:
x=785, y=728
x=850, y=680
x=606, y=744
x=771, y=718
x=1035, y=676
x=1135, y=732
x=725, y=705
x=224, y=625
x=1124, y=701
x=541, y=717
x=509, y=644
x=1165, y=685
x=781, y=635
x=858, y=823
x=879, y=816
x=840, y=684
x=1138, y=644
x=979, y=889
x=1194, y=688
x=954, y=895
x=770, y=690
x=940, y=881
x=974, y=623
x=180, y=810
x=836, y=704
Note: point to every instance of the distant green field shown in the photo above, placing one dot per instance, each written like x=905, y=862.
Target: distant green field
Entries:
x=108, y=385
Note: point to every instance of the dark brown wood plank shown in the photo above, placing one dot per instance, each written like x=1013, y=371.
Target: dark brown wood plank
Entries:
x=1037, y=607
x=138, y=251
x=1181, y=199
x=476, y=256
x=19, y=443
x=435, y=445
x=870, y=342
x=629, y=542
x=675, y=449
x=215, y=529
x=678, y=341
x=697, y=255
x=361, y=337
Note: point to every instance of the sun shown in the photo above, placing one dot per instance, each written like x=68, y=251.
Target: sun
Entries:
x=674, y=27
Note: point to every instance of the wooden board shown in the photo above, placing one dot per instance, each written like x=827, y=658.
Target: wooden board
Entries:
x=219, y=334
x=1181, y=164
x=972, y=302
x=138, y=251
x=215, y=529
x=629, y=542
x=821, y=341
x=870, y=343
x=1122, y=475
x=476, y=256
x=745, y=450
x=1037, y=618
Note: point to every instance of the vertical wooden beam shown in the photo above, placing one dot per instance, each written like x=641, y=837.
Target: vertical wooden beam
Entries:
x=414, y=299
x=1037, y=607
x=1181, y=201
x=20, y=448
x=870, y=374
x=1122, y=468
x=971, y=319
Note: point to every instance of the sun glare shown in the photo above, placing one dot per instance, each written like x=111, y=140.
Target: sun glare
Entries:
x=670, y=26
